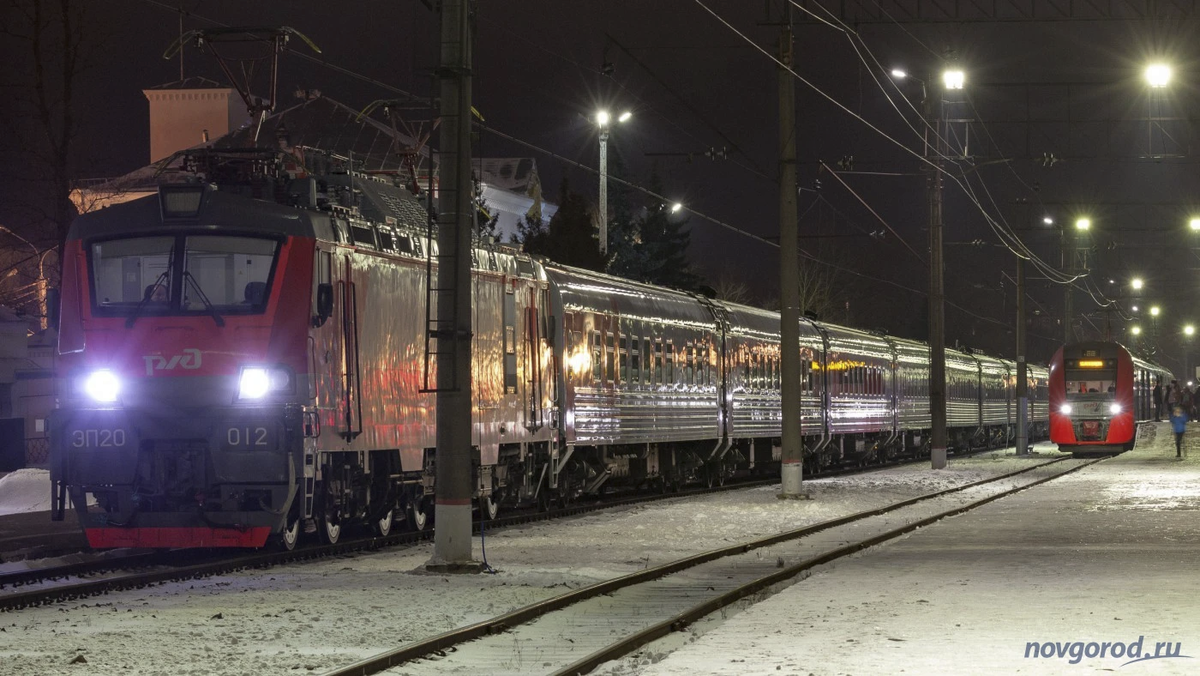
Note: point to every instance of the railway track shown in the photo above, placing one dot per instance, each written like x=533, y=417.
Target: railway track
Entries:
x=575, y=632
x=78, y=580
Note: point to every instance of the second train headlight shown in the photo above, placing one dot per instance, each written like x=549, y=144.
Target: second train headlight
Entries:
x=1114, y=408
x=102, y=386
x=257, y=382
x=1065, y=409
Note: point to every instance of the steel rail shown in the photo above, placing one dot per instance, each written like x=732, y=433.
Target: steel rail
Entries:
x=192, y=571
x=681, y=620
x=143, y=560
x=502, y=623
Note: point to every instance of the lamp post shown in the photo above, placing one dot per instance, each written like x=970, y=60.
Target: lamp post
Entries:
x=1188, y=332
x=602, y=120
x=1070, y=254
x=951, y=79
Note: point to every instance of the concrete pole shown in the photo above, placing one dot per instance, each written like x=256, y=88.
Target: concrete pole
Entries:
x=452, y=515
x=1022, y=375
x=603, y=190
x=937, y=323
x=789, y=274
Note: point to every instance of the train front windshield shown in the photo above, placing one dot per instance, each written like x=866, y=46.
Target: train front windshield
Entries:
x=1086, y=377
x=182, y=275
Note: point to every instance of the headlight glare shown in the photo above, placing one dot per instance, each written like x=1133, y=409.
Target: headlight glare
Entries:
x=1065, y=409
x=255, y=383
x=1114, y=409
x=102, y=386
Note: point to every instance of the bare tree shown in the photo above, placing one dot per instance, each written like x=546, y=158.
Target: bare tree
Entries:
x=822, y=287
x=732, y=290
x=47, y=53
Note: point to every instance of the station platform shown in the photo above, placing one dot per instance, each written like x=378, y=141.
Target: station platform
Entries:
x=1040, y=582
x=26, y=530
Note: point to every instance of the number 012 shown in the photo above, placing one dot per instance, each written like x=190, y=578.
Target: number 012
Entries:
x=246, y=436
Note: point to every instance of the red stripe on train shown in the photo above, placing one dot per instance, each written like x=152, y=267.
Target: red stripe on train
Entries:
x=177, y=537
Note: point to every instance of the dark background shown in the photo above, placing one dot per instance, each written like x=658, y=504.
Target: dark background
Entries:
x=1070, y=88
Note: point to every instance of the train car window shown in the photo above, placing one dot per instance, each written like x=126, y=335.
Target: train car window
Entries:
x=386, y=241
x=670, y=365
x=658, y=361
x=610, y=372
x=127, y=271
x=363, y=235
x=524, y=267
x=635, y=359
x=648, y=361
x=624, y=358
x=405, y=244
x=689, y=363
x=597, y=357
x=227, y=274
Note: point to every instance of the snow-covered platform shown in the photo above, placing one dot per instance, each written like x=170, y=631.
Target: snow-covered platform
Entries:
x=25, y=525
x=1105, y=556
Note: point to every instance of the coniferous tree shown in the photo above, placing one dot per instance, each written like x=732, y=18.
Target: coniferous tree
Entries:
x=570, y=238
x=626, y=255
x=665, y=241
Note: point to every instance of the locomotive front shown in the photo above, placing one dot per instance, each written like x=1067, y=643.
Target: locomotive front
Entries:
x=1092, y=402
x=183, y=343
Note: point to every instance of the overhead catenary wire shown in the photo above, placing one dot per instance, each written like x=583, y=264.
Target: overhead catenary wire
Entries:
x=391, y=88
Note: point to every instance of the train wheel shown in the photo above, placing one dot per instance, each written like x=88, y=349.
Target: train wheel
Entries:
x=419, y=514
x=287, y=539
x=330, y=527
x=384, y=526
x=488, y=507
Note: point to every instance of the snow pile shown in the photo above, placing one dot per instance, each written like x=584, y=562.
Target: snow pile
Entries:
x=25, y=490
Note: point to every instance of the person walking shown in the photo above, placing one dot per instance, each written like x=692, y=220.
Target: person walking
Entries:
x=1179, y=424
x=1172, y=396
x=1158, y=400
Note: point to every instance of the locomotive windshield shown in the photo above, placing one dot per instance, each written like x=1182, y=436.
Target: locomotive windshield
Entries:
x=186, y=274
x=1090, y=376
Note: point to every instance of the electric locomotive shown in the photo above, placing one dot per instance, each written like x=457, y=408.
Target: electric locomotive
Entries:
x=1098, y=392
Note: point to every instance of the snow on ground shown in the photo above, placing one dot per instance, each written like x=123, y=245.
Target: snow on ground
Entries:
x=25, y=490
x=315, y=616
x=1107, y=555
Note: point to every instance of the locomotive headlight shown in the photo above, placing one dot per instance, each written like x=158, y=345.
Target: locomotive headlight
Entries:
x=102, y=386
x=1065, y=409
x=257, y=382
x=1114, y=408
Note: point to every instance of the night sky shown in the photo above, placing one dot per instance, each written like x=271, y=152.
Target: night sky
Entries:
x=1070, y=88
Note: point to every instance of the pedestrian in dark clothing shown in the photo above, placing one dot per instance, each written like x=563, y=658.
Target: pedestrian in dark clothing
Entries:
x=1179, y=424
x=1158, y=401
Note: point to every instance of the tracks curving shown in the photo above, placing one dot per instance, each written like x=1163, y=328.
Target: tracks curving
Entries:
x=610, y=619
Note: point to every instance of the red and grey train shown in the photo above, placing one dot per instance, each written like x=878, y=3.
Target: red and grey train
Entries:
x=1098, y=393
x=243, y=358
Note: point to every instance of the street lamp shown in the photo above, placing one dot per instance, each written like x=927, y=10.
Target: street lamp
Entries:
x=1135, y=330
x=603, y=120
x=1137, y=283
x=1083, y=224
x=1048, y=220
x=1194, y=224
x=676, y=208
x=1158, y=75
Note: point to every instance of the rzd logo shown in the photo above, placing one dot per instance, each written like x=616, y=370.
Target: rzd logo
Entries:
x=190, y=360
